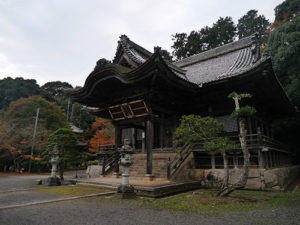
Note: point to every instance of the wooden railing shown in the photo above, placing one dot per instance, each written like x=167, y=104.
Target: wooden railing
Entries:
x=273, y=144
x=254, y=141
x=177, y=161
x=107, y=158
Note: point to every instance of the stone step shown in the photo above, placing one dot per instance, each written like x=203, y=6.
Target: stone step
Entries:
x=159, y=164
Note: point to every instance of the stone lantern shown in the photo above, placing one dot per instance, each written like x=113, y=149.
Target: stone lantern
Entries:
x=125, y=190
x=53, y=180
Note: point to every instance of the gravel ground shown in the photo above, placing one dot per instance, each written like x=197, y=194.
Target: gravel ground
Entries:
x=18, y=182
x=93, y=211
x=20, y=197
x=8, y=183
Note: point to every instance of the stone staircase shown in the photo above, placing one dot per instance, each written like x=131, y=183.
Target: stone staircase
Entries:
x=159, y=165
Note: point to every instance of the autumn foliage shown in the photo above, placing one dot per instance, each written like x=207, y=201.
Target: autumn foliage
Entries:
x=103, y=135
x=17, y=125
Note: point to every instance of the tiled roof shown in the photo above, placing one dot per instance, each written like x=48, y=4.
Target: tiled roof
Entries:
x=226, y=61
x=139, y=55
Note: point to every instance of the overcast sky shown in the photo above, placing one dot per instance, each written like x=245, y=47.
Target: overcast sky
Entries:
x=51, y=40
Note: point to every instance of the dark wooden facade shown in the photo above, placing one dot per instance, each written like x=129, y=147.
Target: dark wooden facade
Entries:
x=145, y=96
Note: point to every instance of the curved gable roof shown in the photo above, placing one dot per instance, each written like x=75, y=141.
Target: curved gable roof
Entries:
x=134, y=53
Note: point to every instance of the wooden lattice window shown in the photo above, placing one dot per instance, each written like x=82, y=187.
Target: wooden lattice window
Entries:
x=129, y=110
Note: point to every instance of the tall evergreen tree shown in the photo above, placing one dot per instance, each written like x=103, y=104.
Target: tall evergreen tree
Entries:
x=222, y=32
x=284, y=49
x=286, y=11
x=179, y=45
x=252, y=23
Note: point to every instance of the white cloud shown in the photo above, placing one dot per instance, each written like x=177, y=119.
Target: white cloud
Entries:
x=7, y=68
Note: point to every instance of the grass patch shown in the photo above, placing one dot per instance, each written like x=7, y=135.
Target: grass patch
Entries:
x=203, y=201
x=74, y=190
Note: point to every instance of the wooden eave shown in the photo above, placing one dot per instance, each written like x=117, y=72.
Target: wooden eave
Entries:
x=262, y=74
x=153, y=67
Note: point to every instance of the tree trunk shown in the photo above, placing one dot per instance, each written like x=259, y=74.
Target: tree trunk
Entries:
x=226, y=169
x=226, y=174
x=243, y=180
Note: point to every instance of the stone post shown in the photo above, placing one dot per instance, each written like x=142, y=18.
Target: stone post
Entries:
x=125, y=190
x=53, y=180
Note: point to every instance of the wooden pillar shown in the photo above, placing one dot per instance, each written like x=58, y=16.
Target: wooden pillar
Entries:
x=213, y=161
x=271, y=159
x=144, y=139
x=117, y=145
x=250, y=130
x=149, y=145
x=133, y=138
x=276, y=159
x=268, y=156
x=260, y=159
x=174, y=121
x=265, y=159
x=161, y=132
x=235, y=160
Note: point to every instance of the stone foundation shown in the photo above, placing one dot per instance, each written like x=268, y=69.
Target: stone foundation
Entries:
x=159, y=165
x=259, y=179
x=94, y=171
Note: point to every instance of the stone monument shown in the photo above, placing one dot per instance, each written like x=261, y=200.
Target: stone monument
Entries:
x=125, y=190
x=53, y=180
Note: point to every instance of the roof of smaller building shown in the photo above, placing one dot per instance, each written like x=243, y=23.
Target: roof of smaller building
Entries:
x=226, y=61
x=76, y=129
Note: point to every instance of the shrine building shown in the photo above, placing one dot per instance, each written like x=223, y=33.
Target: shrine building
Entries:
x=145, y=96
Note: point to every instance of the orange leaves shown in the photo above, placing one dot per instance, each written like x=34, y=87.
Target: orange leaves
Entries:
x=32, y=157
x=100, y=123
x=103, y=134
